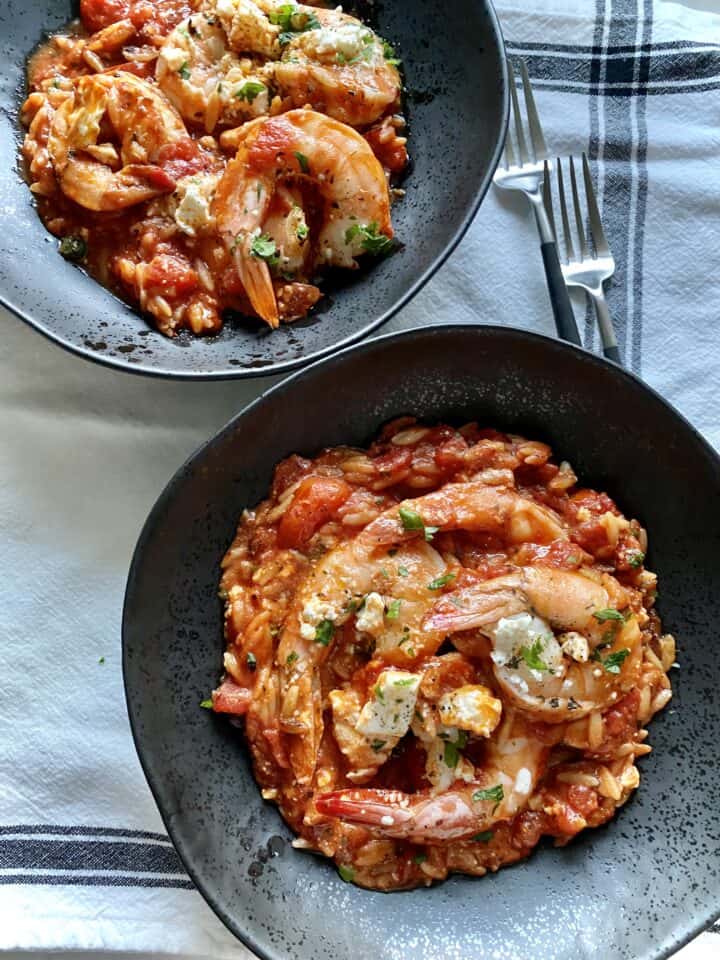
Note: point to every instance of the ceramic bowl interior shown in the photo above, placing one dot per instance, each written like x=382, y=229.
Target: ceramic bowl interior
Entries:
x=634, y=889
x=457, y=98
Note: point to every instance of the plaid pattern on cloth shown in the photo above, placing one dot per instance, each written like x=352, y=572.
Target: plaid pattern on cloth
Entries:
x=85, y=863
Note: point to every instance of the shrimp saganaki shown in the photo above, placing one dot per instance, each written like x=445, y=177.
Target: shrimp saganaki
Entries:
x=442, y=648
x=200, y=157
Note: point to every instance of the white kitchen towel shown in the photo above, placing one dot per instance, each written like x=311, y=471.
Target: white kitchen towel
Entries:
x=84, y=451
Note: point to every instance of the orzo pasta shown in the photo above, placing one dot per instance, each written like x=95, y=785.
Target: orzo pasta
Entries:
x=443, y=648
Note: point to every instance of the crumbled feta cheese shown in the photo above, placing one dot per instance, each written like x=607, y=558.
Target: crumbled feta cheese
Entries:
x=313, y=613
x=390, y=709
x=575, y=646
x=349, y=40
x=174, y=57
x=523, y=781
x=522, y=631
x=471, y=707
x=438, y=772
x=193, y=211
x=372, y=616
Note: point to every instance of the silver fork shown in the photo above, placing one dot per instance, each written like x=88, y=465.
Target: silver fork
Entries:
x=528, y=176
x=587, y=269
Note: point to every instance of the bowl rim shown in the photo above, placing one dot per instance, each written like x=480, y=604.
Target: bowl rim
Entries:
x=280, y=388
x=244, y=373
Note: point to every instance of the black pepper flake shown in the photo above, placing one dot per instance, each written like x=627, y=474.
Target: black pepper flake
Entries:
x=573, y=704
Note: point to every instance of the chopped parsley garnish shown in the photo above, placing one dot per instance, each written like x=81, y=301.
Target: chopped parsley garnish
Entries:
x=206, y=704
x=365, y=54
x=439, y=582
x=184, y=71
x=265, y=249
x=73, y=248
x=379, y=695
x=324, y=632
x=532, y=656
x=346, y=873
x=420, y=858
x=484, y=837
x=303, y=161
x=393, y=610
x=372, y=241
x=403, y=572
x=302, y=231
x=249, y=90
x=613, y=661
x=390, y=55
x=608, y=614
x=291, y=658
x=636, y=559
x=101, y=660
x=494, y=794
x=251, y=660
x=451, y=752
x=377, y=745
x=291, y=20
x=411, y=520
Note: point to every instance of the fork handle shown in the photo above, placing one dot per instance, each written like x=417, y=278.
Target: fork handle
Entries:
x=605, y=324
x=559, y=297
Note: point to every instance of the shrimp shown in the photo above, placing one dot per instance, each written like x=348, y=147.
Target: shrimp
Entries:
x=299, y=146
x=208, y=83
x=594, y=660
x=402, y=583
x=337, y=65
x=98, y=175
x=514, y=762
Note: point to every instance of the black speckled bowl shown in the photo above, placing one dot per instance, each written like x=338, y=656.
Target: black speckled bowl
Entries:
x=635, y=889
x=457, y=105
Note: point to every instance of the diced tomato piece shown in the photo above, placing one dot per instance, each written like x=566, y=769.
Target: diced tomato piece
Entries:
x=181, y=158
x=171, y=275
x=394, y=465
x=450, y=455
x=583, y=799
x=276, y=137
x=314, y=503
x=288, y=472
x=528, y=827
x=391, y=154
x=621, y=720
x=592, y=501
x=97, y=14
x=230, y=697
x=591, y=536
x=158, y=17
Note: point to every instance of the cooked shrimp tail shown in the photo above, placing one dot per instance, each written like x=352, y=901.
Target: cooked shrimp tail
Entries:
x=255, y=276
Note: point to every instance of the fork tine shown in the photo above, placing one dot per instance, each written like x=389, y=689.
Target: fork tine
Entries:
x=584, y=252
x=564, y=214
x=596, y=228
x=509, y=154
x=522, y=145
x=547, y=198
x=536, y=133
